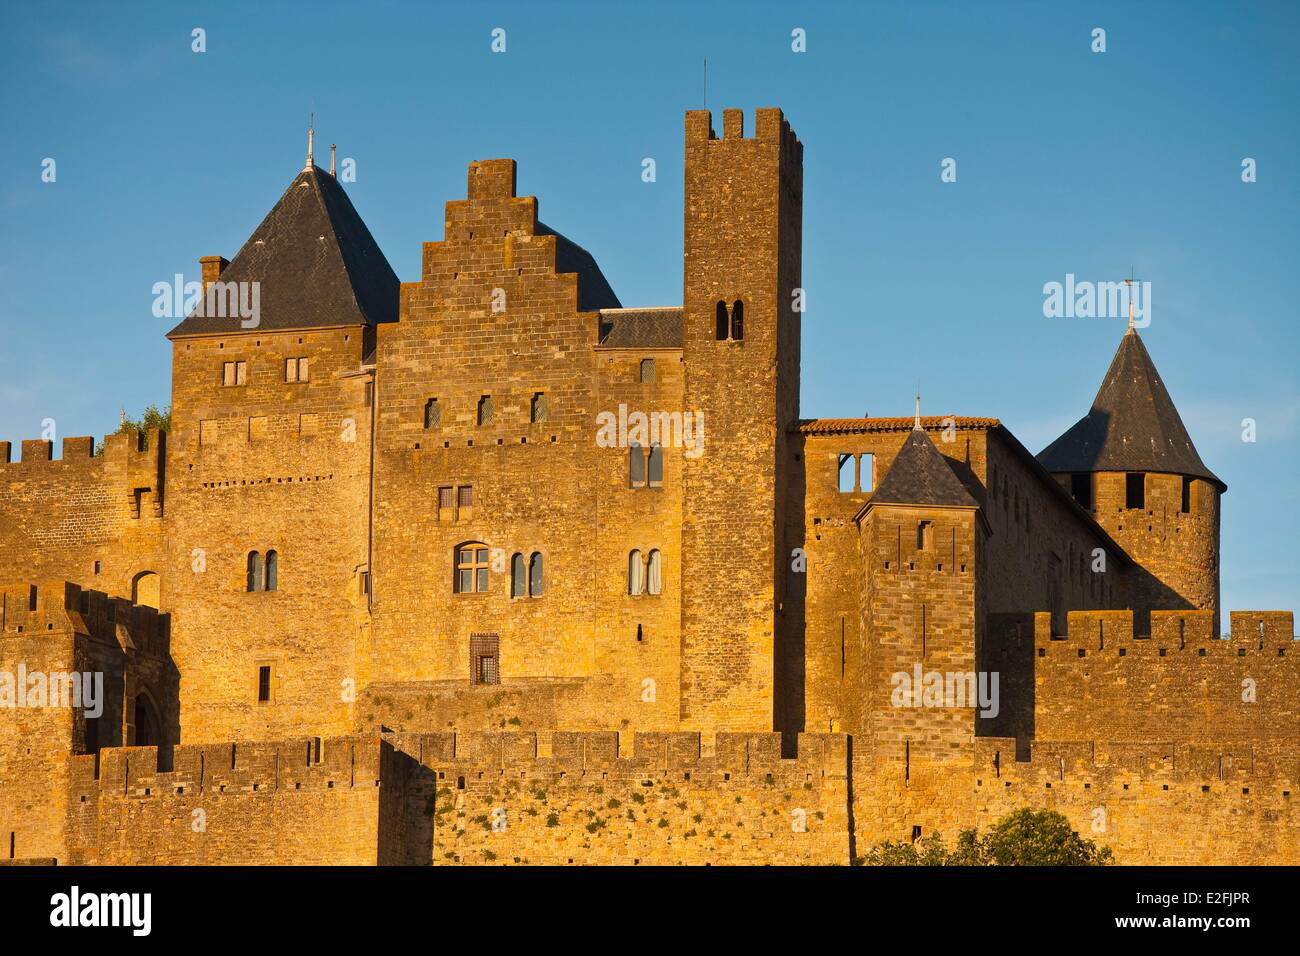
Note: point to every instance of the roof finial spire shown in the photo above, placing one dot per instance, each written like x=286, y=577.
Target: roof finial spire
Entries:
x=917, y=425
x=331, y=159
x=311, y=142
x=1132, y=329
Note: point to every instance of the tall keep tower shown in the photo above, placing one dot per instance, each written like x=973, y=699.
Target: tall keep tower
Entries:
x=1131, y=463
x=743, y=236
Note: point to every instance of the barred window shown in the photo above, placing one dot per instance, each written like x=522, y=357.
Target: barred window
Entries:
x=485, y=658
x=485, y=410
x=432, y=414
x=539, y=407
x=647, y=370
x=465, y=496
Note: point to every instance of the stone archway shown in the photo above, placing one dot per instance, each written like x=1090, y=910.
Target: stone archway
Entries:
x=147, y=729
x=146, y=589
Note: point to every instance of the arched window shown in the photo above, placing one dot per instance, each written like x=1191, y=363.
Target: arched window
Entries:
x=432, y=414
x=647, y=370
x=722, y=321
x=635, y=573
x=635, y=466
x=518, y=582
x=656, y=465
x=146, y=723
x=535, y=582
x=738, y=320
x=254, y=571
x=471, y=568
x=655, y=573
x=272, y=570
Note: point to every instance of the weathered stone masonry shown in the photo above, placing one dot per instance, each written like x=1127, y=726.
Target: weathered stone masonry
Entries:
x=386, y=579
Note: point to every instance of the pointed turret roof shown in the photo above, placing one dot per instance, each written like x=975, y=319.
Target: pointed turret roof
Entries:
x=316, y=264
x=1132, y=425
x=919, y=475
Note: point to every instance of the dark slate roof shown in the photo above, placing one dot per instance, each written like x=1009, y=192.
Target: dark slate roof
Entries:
x=919, y=475
x=1132, y=426
x=316, y=263
x=594, y=292
x=641, y=328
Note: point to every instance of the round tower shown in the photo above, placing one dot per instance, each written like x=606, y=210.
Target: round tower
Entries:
x=1131, y=463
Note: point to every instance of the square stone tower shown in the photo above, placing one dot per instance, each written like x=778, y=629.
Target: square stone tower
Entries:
x=743, y=237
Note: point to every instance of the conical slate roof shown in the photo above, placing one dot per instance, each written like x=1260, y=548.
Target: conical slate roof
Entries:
x=316, y=264
x=1132, y=426
x=921, y=476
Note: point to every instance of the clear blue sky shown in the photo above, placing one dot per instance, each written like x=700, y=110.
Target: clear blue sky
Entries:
x=1067, y=161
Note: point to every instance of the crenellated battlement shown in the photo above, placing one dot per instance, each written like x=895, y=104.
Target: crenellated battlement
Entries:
x=770, y=126
x=1092, y=631
x=317, y=764
x=1217, y=764
x=739, y=754
x=61, y=607
x=138, y=449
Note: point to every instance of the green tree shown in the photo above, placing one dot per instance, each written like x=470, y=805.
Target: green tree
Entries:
x=1023, y=838
x=1041, y=838
x=151, y=418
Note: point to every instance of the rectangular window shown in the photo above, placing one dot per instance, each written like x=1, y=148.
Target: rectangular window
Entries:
x=485, y=658
x=847, y=474
x=445, y=500
x=295, y=370
x=635, y=465
x=465, y=496
x=539, y=407
x=471, y=569
x=234, y=373
x=1135, y=490
x=647, y=370
x=264, y=683
x=1081, y=489
x=1186, y=507
x=485, y=410
x=867, y=471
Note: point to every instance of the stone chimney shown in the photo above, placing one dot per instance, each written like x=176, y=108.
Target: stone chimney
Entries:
x=213, y=266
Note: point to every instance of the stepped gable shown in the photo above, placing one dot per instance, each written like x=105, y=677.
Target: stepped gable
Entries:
x=316, y=263
x=1132, y=425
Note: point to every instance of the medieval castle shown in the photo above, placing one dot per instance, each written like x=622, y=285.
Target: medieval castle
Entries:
x=487, y=567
